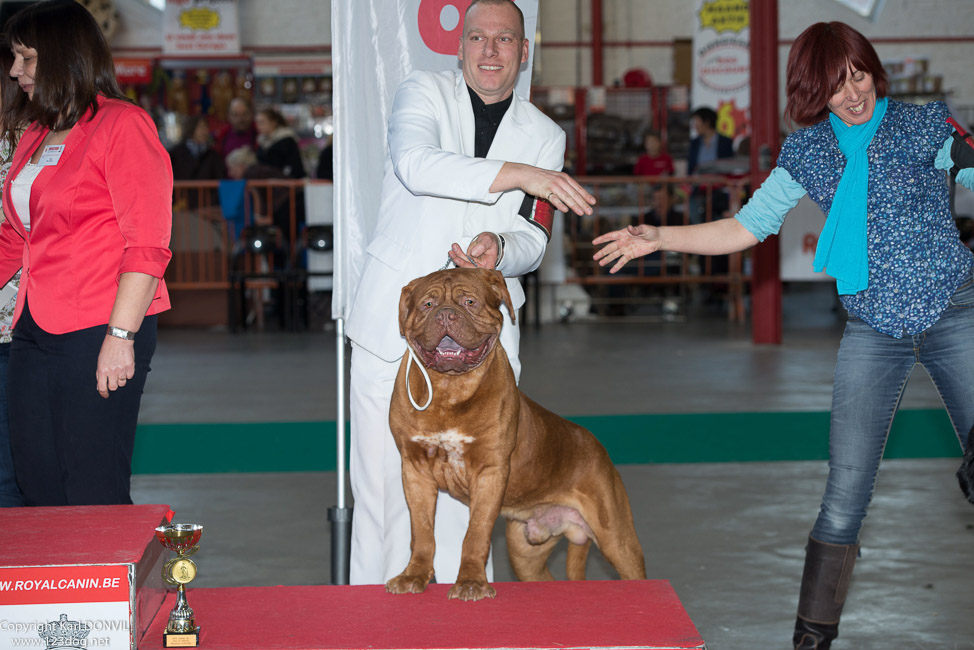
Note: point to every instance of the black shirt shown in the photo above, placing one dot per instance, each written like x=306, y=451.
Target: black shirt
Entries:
x=487, y=117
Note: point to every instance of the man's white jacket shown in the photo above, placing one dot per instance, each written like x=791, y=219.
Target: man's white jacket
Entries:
x=435, y=192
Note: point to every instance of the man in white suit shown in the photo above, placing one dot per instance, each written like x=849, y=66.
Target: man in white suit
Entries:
x=468, y=161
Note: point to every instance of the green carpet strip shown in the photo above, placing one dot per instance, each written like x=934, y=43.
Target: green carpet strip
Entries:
x=630, y=439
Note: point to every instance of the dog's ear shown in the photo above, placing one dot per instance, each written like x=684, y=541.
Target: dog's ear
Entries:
x=499, y=286
x=404, y=297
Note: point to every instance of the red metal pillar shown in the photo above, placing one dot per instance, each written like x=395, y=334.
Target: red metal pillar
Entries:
x=597, y=44
x=766, y=277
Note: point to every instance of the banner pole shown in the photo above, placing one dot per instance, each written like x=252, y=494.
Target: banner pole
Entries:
x=340, y=516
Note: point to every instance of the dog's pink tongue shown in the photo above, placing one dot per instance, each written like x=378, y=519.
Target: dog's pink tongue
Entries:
x=448, y=345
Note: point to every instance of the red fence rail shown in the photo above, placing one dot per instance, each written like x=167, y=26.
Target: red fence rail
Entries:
x=207, y=248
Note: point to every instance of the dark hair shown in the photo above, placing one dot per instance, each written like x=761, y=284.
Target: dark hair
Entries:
x=818, y=64
x=189, y=126
x=707, y=115
x=273, y=115
x=74, y=61
x=9, y=90
x=496, y=3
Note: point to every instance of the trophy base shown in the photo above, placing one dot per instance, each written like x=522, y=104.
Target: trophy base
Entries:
x=181, y=639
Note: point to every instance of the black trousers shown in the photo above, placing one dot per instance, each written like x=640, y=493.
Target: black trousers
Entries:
x=71, y=446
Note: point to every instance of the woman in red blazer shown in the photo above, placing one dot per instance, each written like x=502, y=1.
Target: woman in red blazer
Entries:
x=93, y=185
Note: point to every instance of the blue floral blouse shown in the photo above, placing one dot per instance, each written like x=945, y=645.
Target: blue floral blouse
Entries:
x=916, y=257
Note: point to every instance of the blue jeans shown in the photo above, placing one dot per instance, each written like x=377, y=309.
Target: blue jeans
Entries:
x=870, y=374
x=9, y=492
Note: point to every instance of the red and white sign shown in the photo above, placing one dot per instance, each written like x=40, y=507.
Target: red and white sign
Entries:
x=133, y=71
x=724, y=66
x=722, y=63
x=84, y=606
x=200, y=27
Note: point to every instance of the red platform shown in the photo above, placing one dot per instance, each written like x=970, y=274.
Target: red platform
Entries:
x=591, y=614
x=92, y=565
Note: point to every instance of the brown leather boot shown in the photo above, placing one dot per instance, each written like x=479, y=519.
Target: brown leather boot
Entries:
x=825, y=583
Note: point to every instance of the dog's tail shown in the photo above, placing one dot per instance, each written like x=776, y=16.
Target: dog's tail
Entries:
x=965, y=474
x=577, y=557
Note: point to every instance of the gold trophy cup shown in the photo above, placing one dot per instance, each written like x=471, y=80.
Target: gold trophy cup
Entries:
x=182, y=630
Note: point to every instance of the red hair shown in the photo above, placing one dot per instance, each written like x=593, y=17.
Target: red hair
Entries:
x=817, y=65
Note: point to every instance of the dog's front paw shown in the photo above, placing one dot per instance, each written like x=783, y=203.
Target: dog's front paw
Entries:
x=406, y=583
x=472, y=590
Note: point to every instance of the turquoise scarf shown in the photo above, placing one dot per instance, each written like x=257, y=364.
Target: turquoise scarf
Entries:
x=841, y=247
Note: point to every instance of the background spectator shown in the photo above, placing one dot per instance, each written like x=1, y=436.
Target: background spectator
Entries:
x=664, y=211
x=655, y=162
x=708, y=145
x=277, y=144
x=705, y=149
x=194, y=158
x=240, y=132
x=324, y=169
x=239, y=161
x=242, y=164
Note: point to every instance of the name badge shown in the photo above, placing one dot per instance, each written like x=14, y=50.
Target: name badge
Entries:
x=52, y=153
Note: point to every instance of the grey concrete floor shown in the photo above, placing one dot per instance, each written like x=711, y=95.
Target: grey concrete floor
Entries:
x=728, y=536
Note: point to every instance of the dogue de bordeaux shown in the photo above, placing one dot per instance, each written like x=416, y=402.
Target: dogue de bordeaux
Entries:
x=462, y=426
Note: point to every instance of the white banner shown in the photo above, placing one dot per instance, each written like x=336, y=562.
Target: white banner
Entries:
x=200, y=27
x=375, y=44
x=722, y=63
x=797, y=241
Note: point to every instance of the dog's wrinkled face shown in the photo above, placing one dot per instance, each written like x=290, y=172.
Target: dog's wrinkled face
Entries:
x=451, y=319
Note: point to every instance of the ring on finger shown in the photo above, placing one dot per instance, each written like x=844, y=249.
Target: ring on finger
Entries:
x=548, y=198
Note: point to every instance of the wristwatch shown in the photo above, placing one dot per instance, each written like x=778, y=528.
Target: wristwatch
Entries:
x=501, y=245
x=119, y=333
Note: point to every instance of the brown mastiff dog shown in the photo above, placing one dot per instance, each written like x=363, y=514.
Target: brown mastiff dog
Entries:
x=483, y=441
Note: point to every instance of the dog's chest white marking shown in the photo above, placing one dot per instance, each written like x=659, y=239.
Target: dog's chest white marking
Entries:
x=452, y=443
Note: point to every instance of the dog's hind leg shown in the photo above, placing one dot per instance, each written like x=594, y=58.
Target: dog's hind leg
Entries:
x=577, y=559
x=621, y=548
x=529, y=561
x=626, y=556
x=615, y=535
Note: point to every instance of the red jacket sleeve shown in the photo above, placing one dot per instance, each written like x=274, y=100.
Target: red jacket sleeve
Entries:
x=138, y=172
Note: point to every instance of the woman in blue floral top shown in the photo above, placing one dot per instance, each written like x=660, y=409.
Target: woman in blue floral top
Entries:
x=878, y=168
x=10, y=495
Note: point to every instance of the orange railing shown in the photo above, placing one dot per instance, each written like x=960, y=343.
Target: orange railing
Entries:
x=207, y=248
x=208, y=251
x=201, y=241
x=627, y=200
